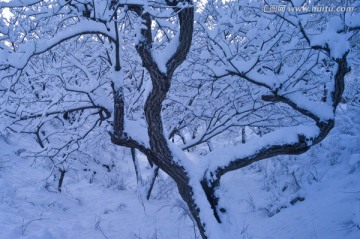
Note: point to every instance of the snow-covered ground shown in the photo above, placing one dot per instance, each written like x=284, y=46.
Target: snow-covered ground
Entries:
x=82, y=210
x=315, y=195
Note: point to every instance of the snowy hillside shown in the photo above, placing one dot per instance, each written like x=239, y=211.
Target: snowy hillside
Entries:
x=315, y=195
x=179, y=119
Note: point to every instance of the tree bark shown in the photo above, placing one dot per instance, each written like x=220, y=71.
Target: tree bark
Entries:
x=61, y=179
x=159, y=150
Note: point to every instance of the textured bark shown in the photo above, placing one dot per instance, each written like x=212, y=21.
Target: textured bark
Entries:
x=209, y=188
x=61, y=179
x=151, y=186
x=118, y=111
x=136, y=167
x=159, y=146
x=159, y=151
x=161, y=81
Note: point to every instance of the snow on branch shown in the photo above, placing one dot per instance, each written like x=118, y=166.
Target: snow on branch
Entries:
x=281, y=141
x=287, y=140
x=175, y=52
x=20, y=58
x=19, y=3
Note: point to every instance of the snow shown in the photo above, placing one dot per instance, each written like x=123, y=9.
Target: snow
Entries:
x=137, y=130
x=266, y=80
x=313, y=195
x=338, y=43
x=147, y=90
x=323, y=214
x=19, y=3
x=330, y=208
x=353, y=22
x=162, y=57
x=257, y=198
x=84, y=210
x=287, y=135
x=28, y=49
x=320, y=109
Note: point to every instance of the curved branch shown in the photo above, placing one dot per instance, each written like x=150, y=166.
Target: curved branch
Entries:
x=100, y=108
x=186, y=18
x=292, y=141
x=128, y=142
x=18, y=3
x=20, y=59
x=164, y=157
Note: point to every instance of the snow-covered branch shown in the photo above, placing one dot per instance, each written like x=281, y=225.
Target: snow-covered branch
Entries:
x=20, y=58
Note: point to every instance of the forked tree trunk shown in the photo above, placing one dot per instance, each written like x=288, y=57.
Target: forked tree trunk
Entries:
x=159, y=146
x=159, y=151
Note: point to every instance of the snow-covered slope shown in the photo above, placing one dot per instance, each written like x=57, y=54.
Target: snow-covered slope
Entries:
x=83, y=209
x=315, y=195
